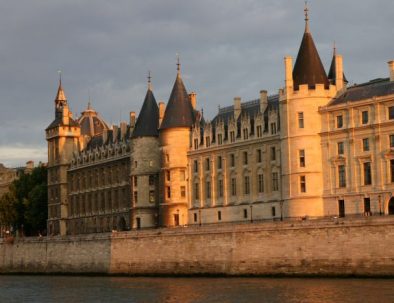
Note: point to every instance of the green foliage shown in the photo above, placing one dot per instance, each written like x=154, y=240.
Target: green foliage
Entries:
x=25, y=206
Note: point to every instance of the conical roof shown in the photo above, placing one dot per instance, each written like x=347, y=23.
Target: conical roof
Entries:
x=60, y=96
x=179, y=110
x=308, y=68
x=148, y=119
x=333, y=68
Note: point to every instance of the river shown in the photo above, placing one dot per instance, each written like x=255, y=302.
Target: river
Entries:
x=192, y=290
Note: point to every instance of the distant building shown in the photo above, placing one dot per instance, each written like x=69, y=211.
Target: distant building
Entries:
x=316, y=148
x=8, y=175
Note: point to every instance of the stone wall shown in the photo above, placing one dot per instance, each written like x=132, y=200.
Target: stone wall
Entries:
x=363, y=246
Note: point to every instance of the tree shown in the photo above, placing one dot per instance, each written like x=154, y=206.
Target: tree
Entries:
x=8, y=209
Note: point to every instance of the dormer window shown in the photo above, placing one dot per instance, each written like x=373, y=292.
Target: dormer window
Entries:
x=232, y=136
x=220, y=139
x=207, y=141
x=273, y=128
x=195, y=144
x=245, y=131
x=259, y=131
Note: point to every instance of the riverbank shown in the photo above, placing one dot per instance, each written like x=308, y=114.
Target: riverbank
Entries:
x=338, y=247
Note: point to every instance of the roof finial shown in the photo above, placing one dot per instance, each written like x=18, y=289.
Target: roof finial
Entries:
x=60, y=77
x=149, y=81
x=306, y=10
x=89, y=101
x=178, y=65
x=334, y=49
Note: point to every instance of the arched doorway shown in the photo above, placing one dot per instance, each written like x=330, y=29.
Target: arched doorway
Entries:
x=391, y=206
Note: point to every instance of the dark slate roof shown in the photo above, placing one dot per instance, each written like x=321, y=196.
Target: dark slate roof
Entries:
x=59, y=122
x=308, y=68
x=148, y=119
x=179, y=111
x=95, y=141
x=91, y=122
x=332, y=72
x=373, y=88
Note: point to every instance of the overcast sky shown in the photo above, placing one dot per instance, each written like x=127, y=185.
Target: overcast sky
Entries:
x=227, y=48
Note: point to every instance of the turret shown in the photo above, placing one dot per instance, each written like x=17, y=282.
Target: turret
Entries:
x=63, y=136
x=174, y=144
x=336, y=76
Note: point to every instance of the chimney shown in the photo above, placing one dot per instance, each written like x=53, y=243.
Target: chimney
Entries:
x=237, y=107
x=263, y=100
x=162, y=109
x=65, y=115
x=123, y=129
x=105, y=135
x=132, y=119
x=339, y=72
x=391, y=68
x=115, y=132
x=193, y=100
x=288, y=72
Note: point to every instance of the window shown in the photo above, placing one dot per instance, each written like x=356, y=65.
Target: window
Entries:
x=151, y=180
x=391, y=112
x=260, y=180
x=207, y=164
x=135, y=181
x=339, y=121
x=219, y=215
x=245, y=131
x=365, y=144
x=245, y=158
x=208, y=192
x=195, y=143
x=302, y=157
x=258, y=156
x=341, y=176
x=391, y=140
x=273, y=211
x=301, y=120
x=259, y=131
x=273, y=128
x=233, y=186
x=367, y=173
x=232, y=160
x=195, y=217
x=135, y=163
x=220, y=139
x=246, y=185
x=232, y=136
x=168, y=192
x=245, y=213
x=341, y=208
x=195, y=165
x=168, y=175
x=196, y=191
x=151, y=196
x=392, y=170
x=220, y=188
x=219, y=162
x=367, y=206
x=135, y=197
x=275, y=181
x=364, y=117
x=207, y=141
x=302, y=184
x=183, y=191
x=273, y=153
x=340, y=148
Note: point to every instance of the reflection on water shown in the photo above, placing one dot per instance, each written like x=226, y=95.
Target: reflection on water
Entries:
x=192, y=290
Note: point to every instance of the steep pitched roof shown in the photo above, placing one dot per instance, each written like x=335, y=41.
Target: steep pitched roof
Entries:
x=148, y=119
x=179, y=111
x=91, y=122
x=333, y=68
x=308, y=68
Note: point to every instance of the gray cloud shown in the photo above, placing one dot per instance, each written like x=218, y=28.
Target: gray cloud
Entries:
x=228, y=48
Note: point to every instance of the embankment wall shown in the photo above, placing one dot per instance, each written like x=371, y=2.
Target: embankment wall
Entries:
x=363, y=247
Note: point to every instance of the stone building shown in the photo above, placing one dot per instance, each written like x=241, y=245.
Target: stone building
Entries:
x=316, y=148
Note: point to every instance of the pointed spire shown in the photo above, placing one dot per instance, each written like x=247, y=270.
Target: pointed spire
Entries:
x=178, y=65
x=308, y=68
x=149, y=81
x=333, y=67
x=60, y=96
x=179, y=111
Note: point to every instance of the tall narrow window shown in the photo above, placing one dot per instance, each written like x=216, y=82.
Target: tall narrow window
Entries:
x=207, y=166
x=341, y=176
x=364, y=117
x=391, y=141
x=208, y=141
x=219, y=162
x=367, y=206
x=340, y=148
x=208, y=190
x=261, y=183
x=168, y=175
x=245, y=213
x=302, y=157
x=245, y=158
x=391, y=112
x=168, y=192
x=195, y=143
x=339, y=121
x=220, y=139
x=233, y=186
x=273, y=211
x=246, y=133
x=273, y=153
x=275, y=181
x=220, y=188
x=259, y=131
x=392, y=170
x=258, y=156
x=232, y=160
x=135, y=181
x=195, y=164
x=365, y=144
x=367, y=173
x=301, y=120
x=302, y=184
x=219, y=215
x=232, y=136
x=341, y=208
x=246, y=185
x=196, y=191
x=273, y=128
